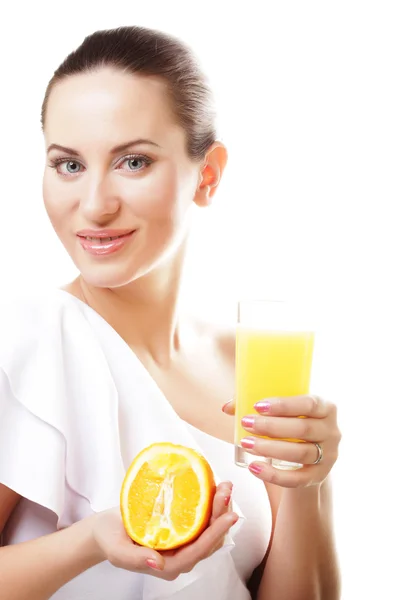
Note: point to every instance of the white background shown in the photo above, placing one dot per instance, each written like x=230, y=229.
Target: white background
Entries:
x=309, y=103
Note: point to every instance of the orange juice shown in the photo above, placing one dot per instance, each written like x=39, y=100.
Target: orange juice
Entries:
x=269, y=364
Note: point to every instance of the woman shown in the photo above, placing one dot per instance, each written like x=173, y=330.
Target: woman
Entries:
x=92, y=373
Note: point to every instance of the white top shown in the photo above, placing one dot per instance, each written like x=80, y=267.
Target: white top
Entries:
x=76, y=406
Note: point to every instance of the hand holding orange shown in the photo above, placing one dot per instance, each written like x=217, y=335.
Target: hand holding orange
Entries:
x=168, y=502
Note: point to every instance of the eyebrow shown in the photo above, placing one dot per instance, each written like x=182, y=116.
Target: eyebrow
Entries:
x=114, y=150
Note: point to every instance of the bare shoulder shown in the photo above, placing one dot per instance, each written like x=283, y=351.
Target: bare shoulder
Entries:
x=226, y=339
x=221, y=336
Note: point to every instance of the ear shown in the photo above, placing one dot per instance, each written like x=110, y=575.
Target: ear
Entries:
x=210, y=174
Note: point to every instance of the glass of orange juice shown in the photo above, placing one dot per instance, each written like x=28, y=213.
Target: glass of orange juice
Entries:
x=274, y=349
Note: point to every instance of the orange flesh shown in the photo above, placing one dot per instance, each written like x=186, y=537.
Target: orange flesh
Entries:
x=168, y=502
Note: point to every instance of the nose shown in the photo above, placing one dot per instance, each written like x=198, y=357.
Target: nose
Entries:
x=99, y=201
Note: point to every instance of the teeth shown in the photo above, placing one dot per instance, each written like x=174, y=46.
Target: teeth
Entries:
x=102, y=239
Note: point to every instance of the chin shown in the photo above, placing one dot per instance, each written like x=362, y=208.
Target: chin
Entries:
x=109, y=276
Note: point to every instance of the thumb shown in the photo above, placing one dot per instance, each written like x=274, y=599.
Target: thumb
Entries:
x=229, y=407
x=151, y=558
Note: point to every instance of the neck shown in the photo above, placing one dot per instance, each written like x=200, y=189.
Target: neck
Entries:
x=144, y=312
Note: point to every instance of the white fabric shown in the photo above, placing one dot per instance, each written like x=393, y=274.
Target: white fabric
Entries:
x=76, y=405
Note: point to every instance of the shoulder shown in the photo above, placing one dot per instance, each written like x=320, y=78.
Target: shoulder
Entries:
x=27, y=321
x=20, y=321
x=28, y=307
x=225, y=339
x=221, y=336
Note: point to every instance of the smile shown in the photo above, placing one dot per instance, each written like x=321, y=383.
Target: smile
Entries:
x=101, y=246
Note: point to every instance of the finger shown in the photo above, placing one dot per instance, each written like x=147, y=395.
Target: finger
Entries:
x=133, y=557
x=229, y=408
x=304, y=477
x=188, y=556
x=294, y=406
x=301, y=452
x=289, y=428
x=222, y=499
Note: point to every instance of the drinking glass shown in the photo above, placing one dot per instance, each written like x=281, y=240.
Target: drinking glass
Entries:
x=274, y=350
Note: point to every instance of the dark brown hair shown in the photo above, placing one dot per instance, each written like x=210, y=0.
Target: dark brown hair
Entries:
x=150, y=53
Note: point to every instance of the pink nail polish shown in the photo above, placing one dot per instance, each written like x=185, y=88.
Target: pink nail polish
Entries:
x=248, y=443
x=256, y=469
x=152, y=564
x=263, y=406
x=227, y=499
x=248, y=421
x=224, y=406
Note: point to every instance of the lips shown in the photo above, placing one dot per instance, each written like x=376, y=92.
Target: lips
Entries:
x=104, y=242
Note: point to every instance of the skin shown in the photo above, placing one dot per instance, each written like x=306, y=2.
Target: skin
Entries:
x=137, y=291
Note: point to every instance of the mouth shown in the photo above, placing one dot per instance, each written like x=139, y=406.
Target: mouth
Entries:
x=103, y=243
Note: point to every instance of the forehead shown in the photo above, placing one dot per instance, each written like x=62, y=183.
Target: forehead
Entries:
x=108, y=106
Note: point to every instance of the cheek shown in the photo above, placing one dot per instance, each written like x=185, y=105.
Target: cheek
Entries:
x=160, y=198
x=54, y=202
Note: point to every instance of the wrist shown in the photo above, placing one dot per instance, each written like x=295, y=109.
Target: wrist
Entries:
x=302, y=498
x=313, y=499
x=89, y=548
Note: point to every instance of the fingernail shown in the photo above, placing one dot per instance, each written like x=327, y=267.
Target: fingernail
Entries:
x=227, y=499
x=263, y=406
x=248, y=421
x=224, y=406
x=248, y=442
x=256, y=469
x=152, y=564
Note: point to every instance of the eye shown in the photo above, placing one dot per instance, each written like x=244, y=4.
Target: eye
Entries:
x=65, y=166
x=136, y=163
x=72, y=166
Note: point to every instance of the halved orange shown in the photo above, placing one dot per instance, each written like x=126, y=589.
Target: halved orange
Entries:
x=167, y=496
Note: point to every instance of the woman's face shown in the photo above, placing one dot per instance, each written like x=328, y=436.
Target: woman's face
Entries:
x=117, y=166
